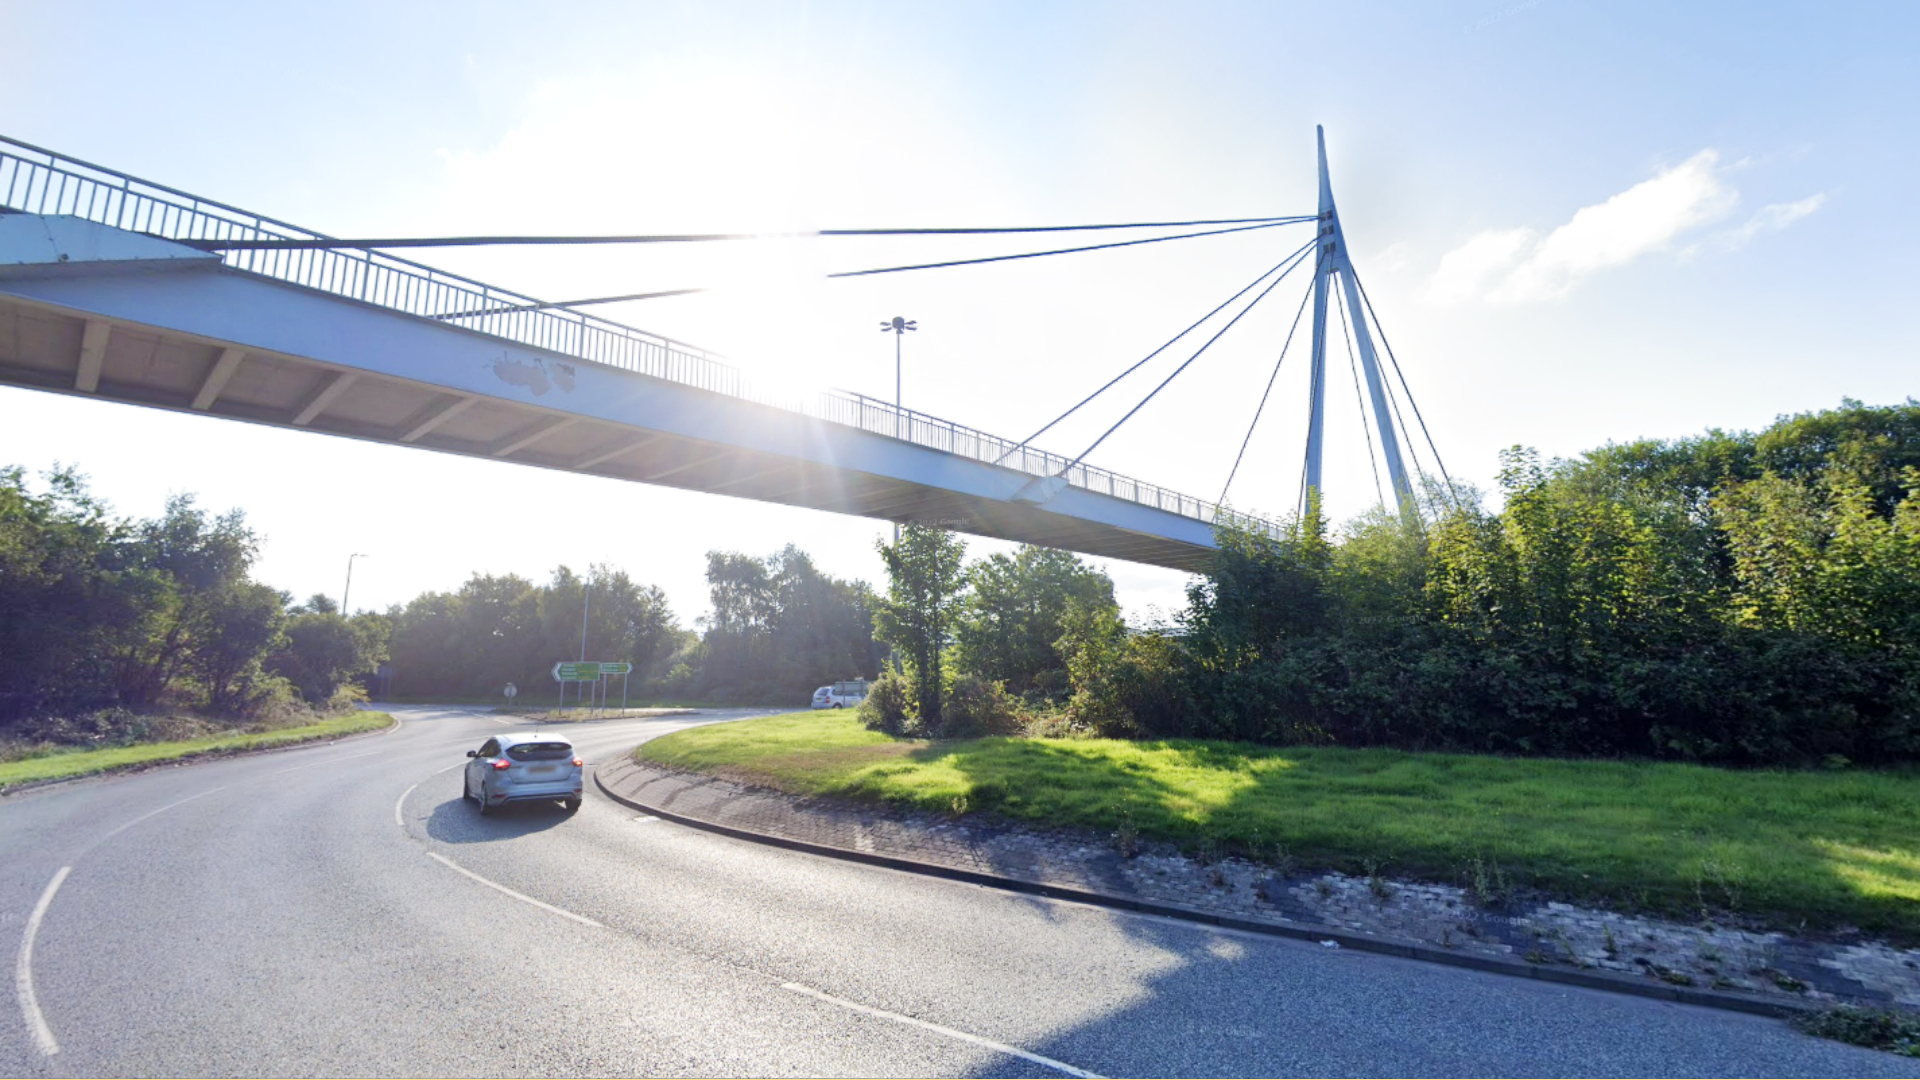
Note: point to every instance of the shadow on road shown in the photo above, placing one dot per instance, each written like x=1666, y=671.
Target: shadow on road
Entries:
x=458, y=821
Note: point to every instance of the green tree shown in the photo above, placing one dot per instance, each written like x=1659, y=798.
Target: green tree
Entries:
x=780, y=627
x=238, y=626
x=199, y=557
x=1008, y=627
x=924, y=586
x=67, y=597
x=322, y=654
x=317, y=604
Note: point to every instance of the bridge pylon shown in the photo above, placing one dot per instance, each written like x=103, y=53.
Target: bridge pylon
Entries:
x=1331, y=262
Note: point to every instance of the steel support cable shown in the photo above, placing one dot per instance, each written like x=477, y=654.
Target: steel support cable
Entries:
x=1384, y=343
x=1023, y=443
x=866, y=273
x=1406, y=433
x=1298, y=258
x=1062, y=251
x=1366, y=432
x=1399, y=419
x=1264, y=394
x=366, y=244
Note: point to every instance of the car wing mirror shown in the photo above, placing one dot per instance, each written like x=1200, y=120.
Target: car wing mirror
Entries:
x=473, y=753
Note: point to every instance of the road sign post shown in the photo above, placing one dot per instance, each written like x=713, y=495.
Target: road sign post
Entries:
x=592, y=675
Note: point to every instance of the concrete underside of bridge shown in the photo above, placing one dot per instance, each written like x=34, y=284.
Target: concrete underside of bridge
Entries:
x=197, y=337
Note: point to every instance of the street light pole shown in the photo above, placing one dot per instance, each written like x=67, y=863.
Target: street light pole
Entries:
x=348, y=591
x=899, y=326
x=586, y=601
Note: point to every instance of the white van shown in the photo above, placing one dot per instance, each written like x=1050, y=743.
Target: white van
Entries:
x=845, y=694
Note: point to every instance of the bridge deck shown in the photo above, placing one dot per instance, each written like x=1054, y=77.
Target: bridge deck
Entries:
x=94, y=301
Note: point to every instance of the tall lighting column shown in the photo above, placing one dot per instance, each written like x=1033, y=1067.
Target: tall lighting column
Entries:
x=348, y=591
x=899, y=327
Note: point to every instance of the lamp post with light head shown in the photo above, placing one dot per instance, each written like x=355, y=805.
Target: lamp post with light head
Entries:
x=899, y=327
x=345, y=611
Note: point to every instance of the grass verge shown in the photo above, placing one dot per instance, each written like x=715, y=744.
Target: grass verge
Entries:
x=1826, y=848
x=1876, y=1029
x=66, y=764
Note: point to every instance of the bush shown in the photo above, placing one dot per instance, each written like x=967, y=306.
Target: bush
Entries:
x=103, y=728
x=888, y=705
x=1879, y=1029
x=974, y=707
x=1124, y=685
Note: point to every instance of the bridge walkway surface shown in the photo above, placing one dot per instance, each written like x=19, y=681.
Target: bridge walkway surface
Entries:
x=103, y=294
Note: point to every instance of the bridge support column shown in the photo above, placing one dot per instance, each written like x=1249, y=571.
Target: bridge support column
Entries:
x=1332, y=260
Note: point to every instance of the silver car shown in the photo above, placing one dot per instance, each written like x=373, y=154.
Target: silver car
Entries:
x=524, y=768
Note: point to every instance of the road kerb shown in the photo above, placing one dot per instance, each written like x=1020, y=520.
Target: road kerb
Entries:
x=1592, y=980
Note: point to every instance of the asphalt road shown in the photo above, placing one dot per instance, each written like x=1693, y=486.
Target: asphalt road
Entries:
x=339, y=910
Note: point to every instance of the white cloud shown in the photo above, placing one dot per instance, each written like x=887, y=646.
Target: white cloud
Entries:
x=1394, y=258
x=1514, y=266
x=1465, y=271
x=1772, y=218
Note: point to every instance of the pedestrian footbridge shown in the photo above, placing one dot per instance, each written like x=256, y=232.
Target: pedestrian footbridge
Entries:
x=103, y=294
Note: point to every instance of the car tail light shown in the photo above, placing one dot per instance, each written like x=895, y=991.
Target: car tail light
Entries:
x=501, y=763
x=577, y=763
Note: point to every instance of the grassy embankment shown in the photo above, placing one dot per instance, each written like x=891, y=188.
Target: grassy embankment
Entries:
x=1830, y=848
x=65, y=764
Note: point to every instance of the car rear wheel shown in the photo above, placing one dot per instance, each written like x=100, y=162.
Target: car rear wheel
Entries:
x=570, y=804
x=482, y=800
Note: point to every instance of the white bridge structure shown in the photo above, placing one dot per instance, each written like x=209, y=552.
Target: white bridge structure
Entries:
x=103, y=293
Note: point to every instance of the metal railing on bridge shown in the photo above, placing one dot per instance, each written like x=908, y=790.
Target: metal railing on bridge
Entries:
x=38, y=181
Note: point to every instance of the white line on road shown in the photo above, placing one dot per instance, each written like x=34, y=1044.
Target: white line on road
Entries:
x=397, y=819
x=564, y=913
x=402, y=822
x=23, y=971
x=329, y=761
x=151, y=813
x=938, y=1029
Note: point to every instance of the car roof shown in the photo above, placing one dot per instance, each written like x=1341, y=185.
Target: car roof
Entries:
x=519, y=737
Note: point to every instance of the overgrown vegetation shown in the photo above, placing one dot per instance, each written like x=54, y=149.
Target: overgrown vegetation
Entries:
x=471, y=642
x=99, y=612
x=983, y=648
x=1826, y=847
x=1738, y=599
x=779, y=628
x=1877, y=1029
x=161, y=619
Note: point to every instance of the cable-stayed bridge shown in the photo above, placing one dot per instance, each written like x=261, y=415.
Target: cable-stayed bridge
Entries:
x=114, y=287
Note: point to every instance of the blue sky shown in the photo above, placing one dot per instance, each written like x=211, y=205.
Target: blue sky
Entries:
x=1579, y=222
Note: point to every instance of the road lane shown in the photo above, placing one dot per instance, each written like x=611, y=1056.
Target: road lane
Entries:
x=268, y=915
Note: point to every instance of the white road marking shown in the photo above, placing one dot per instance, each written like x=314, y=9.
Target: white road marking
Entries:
x=23, y=971
x=938, y=1029
x=645, y=817
x=328, y=761
x=564, y=913
x=152, y=813
x=400, y=821
x=397, y=819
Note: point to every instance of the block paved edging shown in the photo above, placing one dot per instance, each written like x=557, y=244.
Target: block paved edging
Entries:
x=650, y=789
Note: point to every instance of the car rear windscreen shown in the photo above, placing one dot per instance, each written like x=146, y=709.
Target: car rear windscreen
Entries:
x=539, y=751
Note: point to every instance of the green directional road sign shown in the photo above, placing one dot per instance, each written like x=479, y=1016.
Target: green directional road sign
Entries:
x=587, y=670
